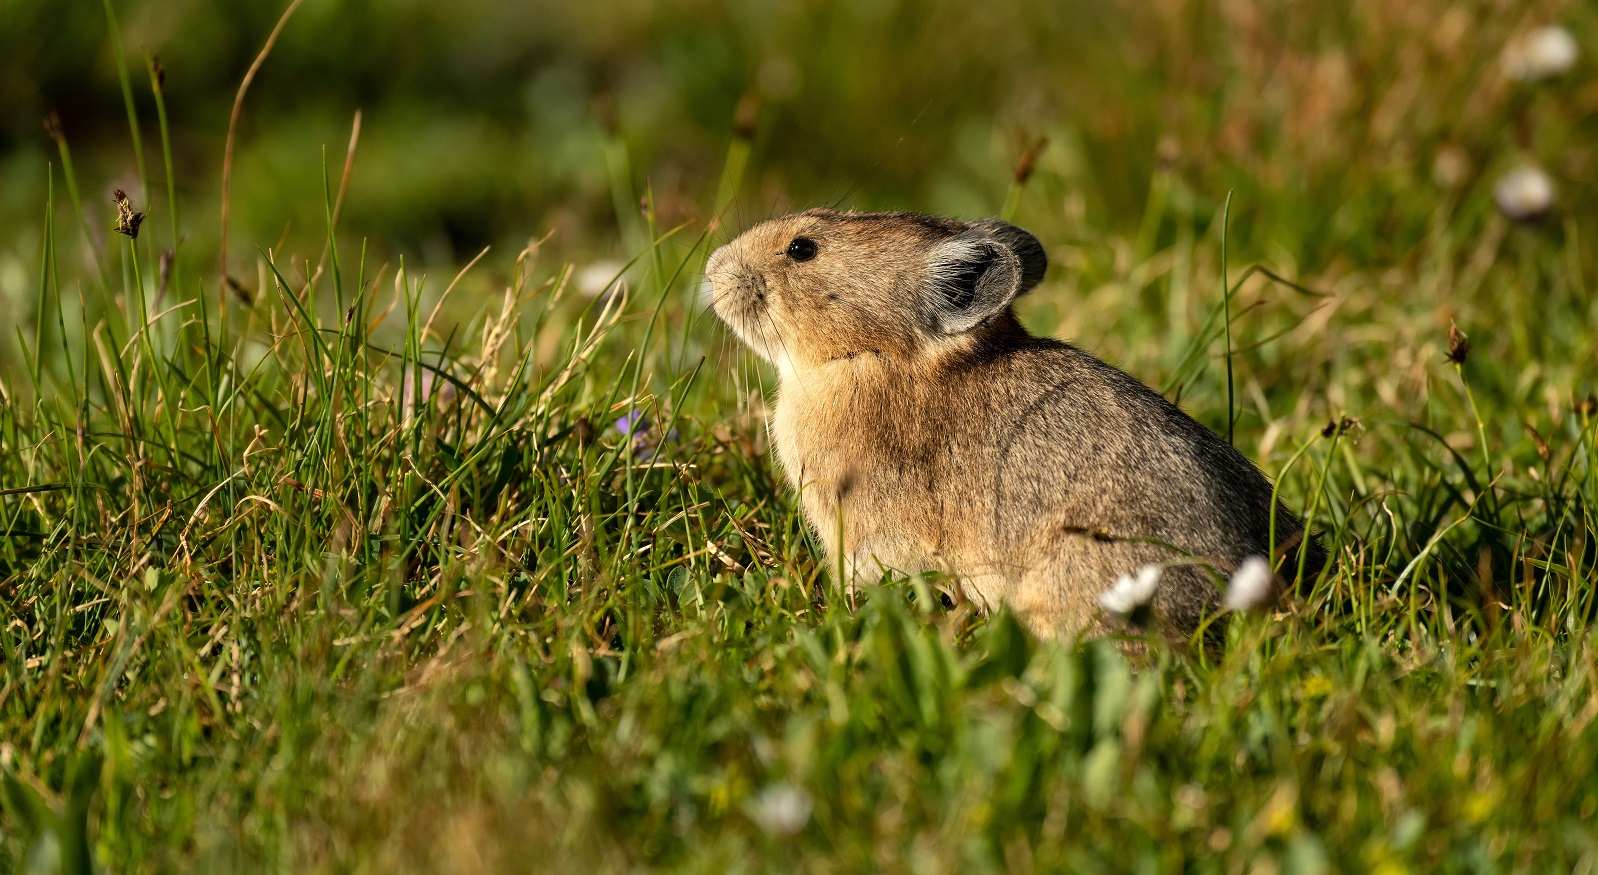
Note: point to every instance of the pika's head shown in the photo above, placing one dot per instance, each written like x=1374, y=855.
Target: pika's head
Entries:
x=823, y=285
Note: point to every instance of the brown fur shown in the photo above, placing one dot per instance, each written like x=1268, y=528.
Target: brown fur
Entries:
x=927, y=431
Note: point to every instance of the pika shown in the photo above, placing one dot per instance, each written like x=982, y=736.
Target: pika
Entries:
x=926, y=430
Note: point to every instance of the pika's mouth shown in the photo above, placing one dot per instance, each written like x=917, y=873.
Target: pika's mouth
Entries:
x=742, y=306
x=738, y=296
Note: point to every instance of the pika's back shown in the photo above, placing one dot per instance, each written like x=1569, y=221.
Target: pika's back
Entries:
x=1116, y=459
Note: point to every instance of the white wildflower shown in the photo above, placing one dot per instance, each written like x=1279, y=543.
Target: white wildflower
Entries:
x=1541, y=54
x=1251, y=585
x=599, y=278
x=781, y=809
x=1131, y=591
x=1524, y=193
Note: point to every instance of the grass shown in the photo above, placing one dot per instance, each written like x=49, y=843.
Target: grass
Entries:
x=342, y=567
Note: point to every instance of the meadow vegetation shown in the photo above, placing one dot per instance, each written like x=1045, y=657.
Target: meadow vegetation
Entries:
x=434, y=527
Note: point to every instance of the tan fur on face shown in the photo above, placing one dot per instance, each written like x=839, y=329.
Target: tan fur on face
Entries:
x=857, y=296
x=927, y=431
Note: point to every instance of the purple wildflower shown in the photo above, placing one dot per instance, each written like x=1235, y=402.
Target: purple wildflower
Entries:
x=632, y=424
x=637, y=427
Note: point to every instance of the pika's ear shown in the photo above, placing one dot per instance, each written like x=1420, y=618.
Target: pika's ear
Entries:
x=1027, y=249
x=971, y=277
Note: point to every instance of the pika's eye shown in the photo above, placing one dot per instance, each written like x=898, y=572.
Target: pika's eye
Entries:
x=802, y=249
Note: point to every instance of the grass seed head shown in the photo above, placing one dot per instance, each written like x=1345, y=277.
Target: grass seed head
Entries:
x=746, y=117
x=1029, y=160
x=1341, y=425
x=128, y=219
x=1458, y=345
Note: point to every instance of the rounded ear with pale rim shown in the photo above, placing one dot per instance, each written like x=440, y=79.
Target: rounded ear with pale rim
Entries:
x=1027, y=249
x=976, y=274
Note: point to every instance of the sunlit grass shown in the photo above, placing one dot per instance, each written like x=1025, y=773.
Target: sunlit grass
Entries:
x=339, y=566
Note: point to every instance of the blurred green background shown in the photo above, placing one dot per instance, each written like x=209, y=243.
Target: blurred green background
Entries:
x=1339, y=126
